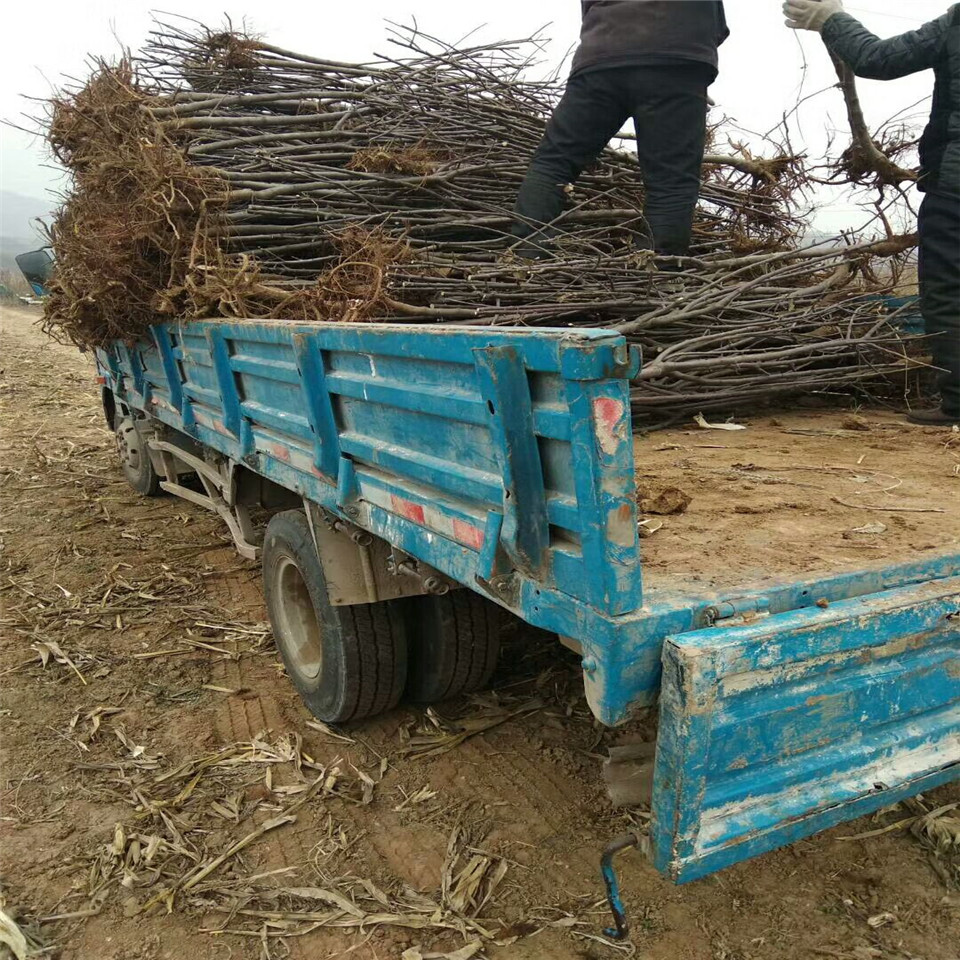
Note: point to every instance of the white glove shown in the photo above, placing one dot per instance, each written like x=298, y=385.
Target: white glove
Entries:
x=810, y=14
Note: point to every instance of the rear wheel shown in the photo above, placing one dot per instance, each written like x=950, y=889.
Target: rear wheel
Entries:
x=346, y=662
x=454, y=642
x=134, y=457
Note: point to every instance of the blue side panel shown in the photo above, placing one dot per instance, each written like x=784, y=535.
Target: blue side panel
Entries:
x=625, y=674
x=461, y=432
x=773, y=730
x=314, y=382
x=172, y=378
x=909, y=318
x=602, y=443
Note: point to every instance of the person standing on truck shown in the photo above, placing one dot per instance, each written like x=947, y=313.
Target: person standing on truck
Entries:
x=651, y=60
x=935, y=46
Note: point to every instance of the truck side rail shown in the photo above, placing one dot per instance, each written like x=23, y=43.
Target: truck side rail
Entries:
x=503, y=458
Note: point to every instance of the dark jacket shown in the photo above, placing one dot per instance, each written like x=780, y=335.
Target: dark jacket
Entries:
x=619, y=33
x=935, y=46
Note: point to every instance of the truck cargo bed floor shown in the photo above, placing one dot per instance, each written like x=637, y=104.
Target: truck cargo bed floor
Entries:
x=804, y=495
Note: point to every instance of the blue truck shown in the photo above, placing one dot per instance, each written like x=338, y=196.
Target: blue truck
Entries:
x=376, y=469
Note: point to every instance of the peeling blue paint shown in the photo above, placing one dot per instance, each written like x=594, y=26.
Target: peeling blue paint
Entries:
x=773, y=730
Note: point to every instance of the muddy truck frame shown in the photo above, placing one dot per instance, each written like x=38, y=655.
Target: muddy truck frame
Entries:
x=401, y=483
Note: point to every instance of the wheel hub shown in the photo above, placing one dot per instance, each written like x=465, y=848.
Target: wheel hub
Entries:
x=299, y=626
x=128, y=444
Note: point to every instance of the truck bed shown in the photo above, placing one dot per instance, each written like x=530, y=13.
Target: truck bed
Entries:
x=806, y=494
x=504, y=461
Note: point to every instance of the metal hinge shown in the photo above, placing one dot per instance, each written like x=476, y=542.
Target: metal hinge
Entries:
x=746, y=608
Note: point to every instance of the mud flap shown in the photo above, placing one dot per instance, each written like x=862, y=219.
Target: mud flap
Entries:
x=773, y=730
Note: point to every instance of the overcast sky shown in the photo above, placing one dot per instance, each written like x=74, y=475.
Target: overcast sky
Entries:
x=762, y=65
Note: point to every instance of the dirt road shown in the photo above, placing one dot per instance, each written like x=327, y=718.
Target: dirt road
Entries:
x=164, y=795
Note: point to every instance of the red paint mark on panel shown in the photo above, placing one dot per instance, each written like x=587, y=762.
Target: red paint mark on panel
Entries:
x=468, y=534
x=407, y=508
x=607, y=411
x=608, y=417
x=280, y=452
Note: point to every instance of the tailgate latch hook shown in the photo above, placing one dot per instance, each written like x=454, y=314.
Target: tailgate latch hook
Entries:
x=620, y=929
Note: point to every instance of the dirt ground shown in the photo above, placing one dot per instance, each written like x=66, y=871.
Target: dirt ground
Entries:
x=164, y=795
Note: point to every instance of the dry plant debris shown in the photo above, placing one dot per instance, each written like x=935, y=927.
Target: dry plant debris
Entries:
x=164, y=854
x=470, y=879
x=12, y=937
x=179, y=849
x=938, y=830
x=21, y=937
x=441, y=735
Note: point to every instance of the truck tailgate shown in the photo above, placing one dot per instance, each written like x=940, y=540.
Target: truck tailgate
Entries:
x=774, y=729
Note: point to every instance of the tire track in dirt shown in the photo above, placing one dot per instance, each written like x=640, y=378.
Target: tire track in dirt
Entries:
x=256, y=711
x=547, y=810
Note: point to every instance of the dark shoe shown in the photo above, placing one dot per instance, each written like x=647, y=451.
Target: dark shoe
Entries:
x=933, y=417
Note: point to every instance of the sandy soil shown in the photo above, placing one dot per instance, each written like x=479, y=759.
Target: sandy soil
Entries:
x=147, y=728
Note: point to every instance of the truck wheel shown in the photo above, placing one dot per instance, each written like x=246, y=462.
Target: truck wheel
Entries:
x=346, y=662
x=134, y=457
x=454, y=641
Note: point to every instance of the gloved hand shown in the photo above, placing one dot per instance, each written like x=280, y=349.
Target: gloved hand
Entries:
x=810, y=14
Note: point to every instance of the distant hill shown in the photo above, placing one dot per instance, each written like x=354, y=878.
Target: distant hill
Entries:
x=19, y=231
x=18, y=213
x=11, y=246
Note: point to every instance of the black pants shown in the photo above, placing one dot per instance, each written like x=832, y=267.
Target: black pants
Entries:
x=940, y=290
x=669, y=109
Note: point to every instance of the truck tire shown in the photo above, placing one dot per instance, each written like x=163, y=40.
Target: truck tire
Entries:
x=346, y=662
x=134, y=458
x=454, y=641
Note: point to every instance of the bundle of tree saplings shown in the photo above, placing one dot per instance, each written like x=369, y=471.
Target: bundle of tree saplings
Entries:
x=216, y=175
